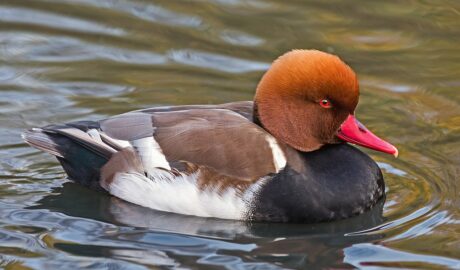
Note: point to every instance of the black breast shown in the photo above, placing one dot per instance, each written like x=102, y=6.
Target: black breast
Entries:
x=337, y=181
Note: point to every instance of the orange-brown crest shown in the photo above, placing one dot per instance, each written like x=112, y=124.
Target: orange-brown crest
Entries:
x=289, y=95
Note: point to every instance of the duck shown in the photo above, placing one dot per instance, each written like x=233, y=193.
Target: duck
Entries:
x=287, y=156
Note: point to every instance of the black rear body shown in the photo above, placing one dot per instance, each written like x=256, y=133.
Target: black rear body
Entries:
x=81, y=162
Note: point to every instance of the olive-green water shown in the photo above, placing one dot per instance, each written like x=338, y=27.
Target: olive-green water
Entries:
x=63, y=60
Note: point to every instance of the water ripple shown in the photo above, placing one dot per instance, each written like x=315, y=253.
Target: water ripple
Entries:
x=32, y=47
x=423, y=228
x=215, y=61
x=148, y=12
x=93, y=89
x=390, y=169
x=369, y=256
x=35, y=17
x=63, y=49
x=240, y=38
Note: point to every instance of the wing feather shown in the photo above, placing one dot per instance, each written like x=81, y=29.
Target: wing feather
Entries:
x=219, y=138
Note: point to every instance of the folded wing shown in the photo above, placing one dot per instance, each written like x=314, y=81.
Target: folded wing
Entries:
x=220, y=139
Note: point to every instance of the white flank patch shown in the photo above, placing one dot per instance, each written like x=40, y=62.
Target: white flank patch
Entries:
x=279, y=159
x=150, y=154
x=180, y=194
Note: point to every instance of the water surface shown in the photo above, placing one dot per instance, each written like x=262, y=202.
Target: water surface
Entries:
x=65, y=60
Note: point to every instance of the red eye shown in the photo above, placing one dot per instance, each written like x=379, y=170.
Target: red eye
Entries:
x=325, y=103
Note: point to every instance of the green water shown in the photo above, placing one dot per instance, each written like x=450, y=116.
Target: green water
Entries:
x=63, y=60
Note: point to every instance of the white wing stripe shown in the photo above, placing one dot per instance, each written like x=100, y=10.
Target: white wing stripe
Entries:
x=150, y=154
x=279, y=159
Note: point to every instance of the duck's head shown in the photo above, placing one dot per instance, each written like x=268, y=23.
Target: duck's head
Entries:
x=308, y=99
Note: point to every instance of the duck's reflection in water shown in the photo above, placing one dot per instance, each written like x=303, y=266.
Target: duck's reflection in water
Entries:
x=287, y=245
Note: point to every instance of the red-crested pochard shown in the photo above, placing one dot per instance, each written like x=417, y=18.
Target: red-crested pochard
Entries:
x=281, y=157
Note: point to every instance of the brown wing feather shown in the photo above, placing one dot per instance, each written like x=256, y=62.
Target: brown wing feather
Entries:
x=218, y=138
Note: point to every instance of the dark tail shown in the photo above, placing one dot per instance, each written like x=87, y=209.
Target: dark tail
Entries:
x=80, y=155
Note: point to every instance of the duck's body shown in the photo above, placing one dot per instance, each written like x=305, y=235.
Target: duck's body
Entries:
x=232, y=161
